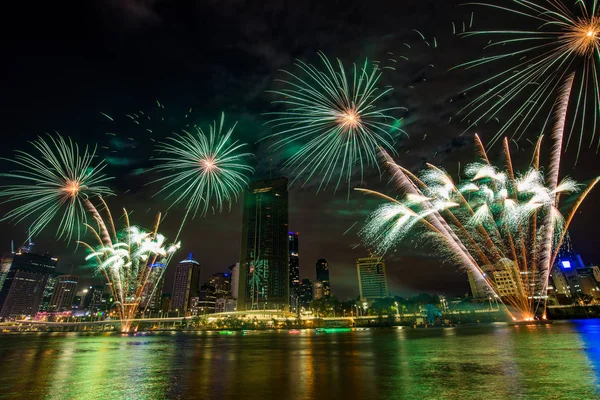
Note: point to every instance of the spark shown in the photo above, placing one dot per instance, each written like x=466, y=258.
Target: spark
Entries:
x=53, y=182
x=334, y=118
x=502, y=227
x=201, y=169
x=561, y=40
x=132, y=260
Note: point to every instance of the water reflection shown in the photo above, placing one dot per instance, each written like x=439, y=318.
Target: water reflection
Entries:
x=493, y=362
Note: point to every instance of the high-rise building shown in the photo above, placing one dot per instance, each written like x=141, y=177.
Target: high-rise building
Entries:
x=372, y=280
x=323, y=278
x=5, y=264
x=151, y=297
x=294, y=268
x=205, y=302
x=305, y=293
x=186, y=284
x=221, y=282
x=235, y=280
x=48, y=292
x=264, y=265
x=93, y=299
x=65, y=290
x=23, y=287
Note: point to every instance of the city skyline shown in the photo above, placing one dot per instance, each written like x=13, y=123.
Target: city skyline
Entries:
x=300, y=199
x=325, y=219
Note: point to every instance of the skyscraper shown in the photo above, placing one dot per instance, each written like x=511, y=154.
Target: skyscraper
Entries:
x=186, y=284
x=372, y=280
x=323, y=277
x=305, y=293
x=221, y=282
x=205, y=302
x=23, y=288
x=64, y=292
x=235, y=280
x=5, y=264
x=93, y=298
x=48, y=292
x=264, y=266
x=294, y=267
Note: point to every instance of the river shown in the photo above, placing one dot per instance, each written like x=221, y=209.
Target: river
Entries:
x=496, y=361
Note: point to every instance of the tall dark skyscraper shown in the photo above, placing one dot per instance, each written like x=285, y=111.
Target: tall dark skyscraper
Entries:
x=305, y=293
x=264, y=279
x=323, y=276
x=23, y=287
x=294, y=268
x=186, y=284
x=48, y=292
x=64, y=292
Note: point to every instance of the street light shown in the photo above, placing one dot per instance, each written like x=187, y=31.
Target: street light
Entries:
x=397, y=312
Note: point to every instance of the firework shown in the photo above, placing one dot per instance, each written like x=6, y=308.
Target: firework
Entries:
x=203, y=170
x=132, y=261
x=564, y=40
x=504, y=228
x=336, y=119
x=53, y=182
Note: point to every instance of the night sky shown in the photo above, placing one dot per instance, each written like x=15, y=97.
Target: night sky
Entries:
x=63, y=65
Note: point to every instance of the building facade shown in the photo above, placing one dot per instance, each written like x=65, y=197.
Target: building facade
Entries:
x=323, y=277
x=305, y=293
x=221, y=282
x=186, y=285
x=48, y=292
x=23, y=287
x=372, y=279
x=294, y=260
x=64, y=292
x=235, y=280
x=264, y=277
x=93, y=299
x=205, y=302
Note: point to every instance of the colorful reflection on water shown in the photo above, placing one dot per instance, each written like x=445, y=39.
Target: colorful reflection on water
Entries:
x=561, y=360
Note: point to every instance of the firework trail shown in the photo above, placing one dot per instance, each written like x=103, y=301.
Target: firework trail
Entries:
x=563, y=39
x=202, y=169
x=132, y=261
x=54, y=181
x=502, y=227
x=335, y=119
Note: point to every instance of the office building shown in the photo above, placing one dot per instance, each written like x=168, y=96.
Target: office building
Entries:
x=225, y=305
x=64, y=292
x=294, y=261
x=93, y=299
x=186, y=285
x=305, y=293
x=372, y=279
x=235, y=280
x=479, y=288
x=571, y=279
x=48, y=292
x=23, y=287
x=205, y=302
x=264, y=277
x=5, y=264
x=221, y=282
x=152, y=294
x=323, y=278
